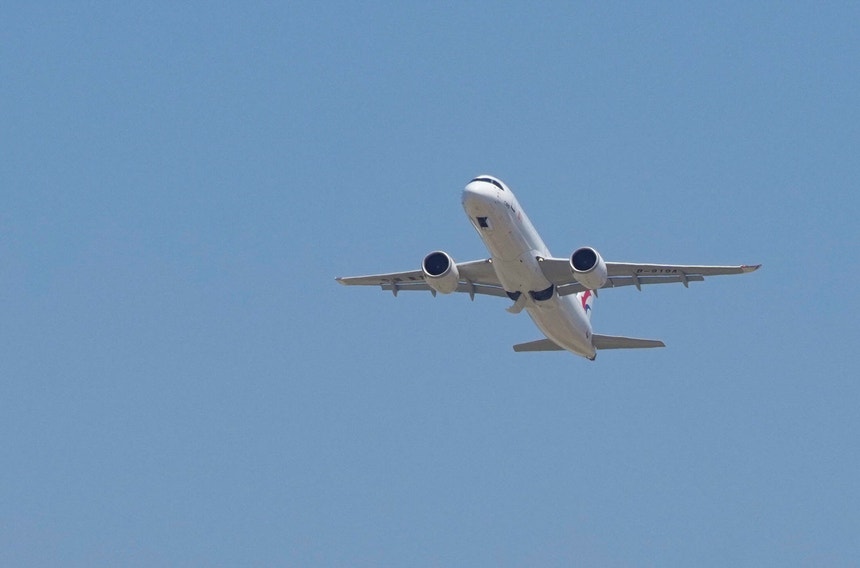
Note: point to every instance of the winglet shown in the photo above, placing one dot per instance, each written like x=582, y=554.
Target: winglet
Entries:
x=750, y=268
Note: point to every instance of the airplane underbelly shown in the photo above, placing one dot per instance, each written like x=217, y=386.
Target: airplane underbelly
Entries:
x=506, y=243
x=558, y=319
x=521, y=274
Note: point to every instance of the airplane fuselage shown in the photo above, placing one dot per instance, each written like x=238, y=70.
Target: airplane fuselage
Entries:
x=515, y=246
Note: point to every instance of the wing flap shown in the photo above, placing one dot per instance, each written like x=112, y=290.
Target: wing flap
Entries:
x=620, y=281
x=478, y=289
x=619, y=342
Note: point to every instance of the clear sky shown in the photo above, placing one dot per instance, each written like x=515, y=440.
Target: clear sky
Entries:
x=183, y=383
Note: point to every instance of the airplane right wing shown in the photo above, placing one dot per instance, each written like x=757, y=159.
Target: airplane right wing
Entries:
x=559, y=272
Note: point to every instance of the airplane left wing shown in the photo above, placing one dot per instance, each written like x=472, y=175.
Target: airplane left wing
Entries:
x=559, y=272
x=476, y=277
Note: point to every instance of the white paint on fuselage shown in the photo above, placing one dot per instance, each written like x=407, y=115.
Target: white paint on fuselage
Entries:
x=514, y=246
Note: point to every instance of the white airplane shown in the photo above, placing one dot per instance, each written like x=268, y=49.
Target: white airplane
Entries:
x=557, y=293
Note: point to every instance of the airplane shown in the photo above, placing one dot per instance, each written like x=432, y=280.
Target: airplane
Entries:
x=557, y=293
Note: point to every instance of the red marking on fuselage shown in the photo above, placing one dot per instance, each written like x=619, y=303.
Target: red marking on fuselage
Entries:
x=585, y=298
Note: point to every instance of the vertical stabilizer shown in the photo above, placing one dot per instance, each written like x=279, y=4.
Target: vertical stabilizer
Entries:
x=586, y=300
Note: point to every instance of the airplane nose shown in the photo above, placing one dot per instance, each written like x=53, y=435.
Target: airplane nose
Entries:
x=470, y=200
x=475, y=192
x=469, y=190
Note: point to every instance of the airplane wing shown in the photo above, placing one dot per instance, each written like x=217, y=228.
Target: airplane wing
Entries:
x=476, y=277
x=558, y=271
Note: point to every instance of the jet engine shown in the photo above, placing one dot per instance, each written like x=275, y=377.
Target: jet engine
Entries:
x=588, y=268
x=440, y=272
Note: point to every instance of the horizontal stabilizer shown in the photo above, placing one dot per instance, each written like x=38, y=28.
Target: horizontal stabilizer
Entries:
x=539, y=345
x=617, y=342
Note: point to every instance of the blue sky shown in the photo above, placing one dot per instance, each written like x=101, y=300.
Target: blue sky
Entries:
x=183, y=383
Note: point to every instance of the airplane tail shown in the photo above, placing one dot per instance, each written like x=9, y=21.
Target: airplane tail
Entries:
x=618, y=342
x=586, y=299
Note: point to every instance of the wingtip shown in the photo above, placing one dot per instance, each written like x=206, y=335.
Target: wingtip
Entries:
x=750, y=268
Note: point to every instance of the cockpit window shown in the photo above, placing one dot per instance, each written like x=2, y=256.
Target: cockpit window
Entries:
x=490, y=180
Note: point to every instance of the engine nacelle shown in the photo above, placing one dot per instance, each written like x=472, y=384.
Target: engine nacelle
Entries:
x=440, y=272
x=588, y=268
